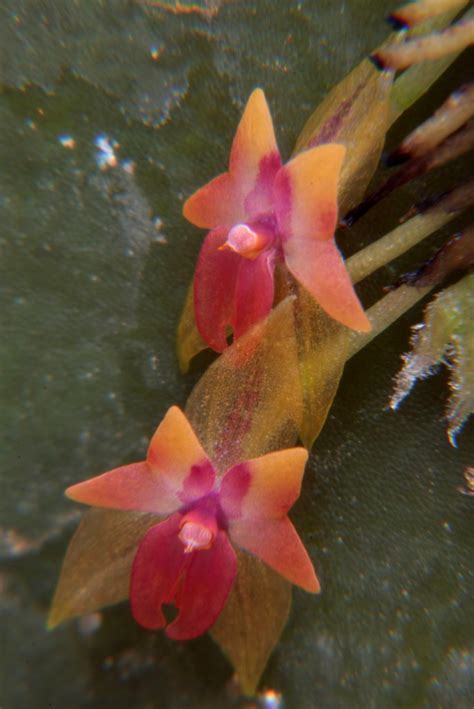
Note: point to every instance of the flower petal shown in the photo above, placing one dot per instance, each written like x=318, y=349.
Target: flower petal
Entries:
x=216, y=204
x=306, y=206
x=253, y=297
x=176, y=457
x=254, y=158
x=214, y=289
x=177, y=471
x=197, y=583
x=305, y=193
x=277, y=543
x=204, y=590
x=130, y=487
x=320, y=268
x=246, y=190
x=230, y=291
x=265, y=487
x=156, y=570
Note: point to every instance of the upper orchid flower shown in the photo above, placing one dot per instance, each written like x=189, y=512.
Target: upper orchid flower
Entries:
x=260, y=212
x=188, y=559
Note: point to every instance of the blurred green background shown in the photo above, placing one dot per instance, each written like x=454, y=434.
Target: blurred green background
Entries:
x=94, y=269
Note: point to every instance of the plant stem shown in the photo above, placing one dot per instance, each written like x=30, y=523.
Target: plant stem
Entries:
x=393, y=244
x=385, y=312
x=403, y=237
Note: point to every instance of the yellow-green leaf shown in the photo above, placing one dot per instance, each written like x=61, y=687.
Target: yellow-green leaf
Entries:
x=253, y=619
x=96, y=568
x=356, y=114
x=188, y=340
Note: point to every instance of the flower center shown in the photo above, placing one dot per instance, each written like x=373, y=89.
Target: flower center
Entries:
x=245, y=241
x=195, y=537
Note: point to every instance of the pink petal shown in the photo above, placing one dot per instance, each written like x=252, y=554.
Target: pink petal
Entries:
x=205, y=588
x=277, y=543
x=130, y=487
x=177, y=458
x=230, y=291
x=216, y=204
x=254, y=289
x=155, y=573
x=254, y=158
x=265, y=487
x=197, y=583
x=305, y=193
x=214, y=289
x=320, y=268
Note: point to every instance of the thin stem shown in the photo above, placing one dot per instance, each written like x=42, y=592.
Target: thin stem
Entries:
x=385, y=312
x=393, y=244
x=411, y=232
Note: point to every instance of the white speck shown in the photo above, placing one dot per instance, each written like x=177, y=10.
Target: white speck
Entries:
x=67, y=141
x=105, y=156
x=155, y=53
x=30, y=123
x=88, y=624
x=270, y=699
x=129, y=166
x=159, y=238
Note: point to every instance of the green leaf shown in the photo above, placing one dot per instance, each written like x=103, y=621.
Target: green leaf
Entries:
x=356, y=114
x=253, y=620
x=188, y=340
x=97, y=565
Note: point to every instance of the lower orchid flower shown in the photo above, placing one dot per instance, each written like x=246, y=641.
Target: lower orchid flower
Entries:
x=188, y=559
x=260, y=213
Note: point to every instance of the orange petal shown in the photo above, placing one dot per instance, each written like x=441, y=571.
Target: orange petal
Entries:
x=265, y=487
x=306, y=194
x=254, y=158
x=277, y=543
x=216, y=204
x=320, y=268
x=176, y=472
x=130, y=487
x=246, y=190
x=177, y=456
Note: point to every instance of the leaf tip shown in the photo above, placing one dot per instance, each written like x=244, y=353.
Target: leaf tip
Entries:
x=377, y=60
x=397, y=22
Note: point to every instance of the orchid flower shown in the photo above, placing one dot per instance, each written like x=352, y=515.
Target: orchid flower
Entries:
x=188, y=559
x=259, y=213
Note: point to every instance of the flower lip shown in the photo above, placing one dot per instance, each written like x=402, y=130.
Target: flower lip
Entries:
x=250, y=239
x=200, y=523
x=195, y=536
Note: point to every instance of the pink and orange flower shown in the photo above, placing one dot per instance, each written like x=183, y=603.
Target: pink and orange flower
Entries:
x=260, y=213
x=188, y=559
